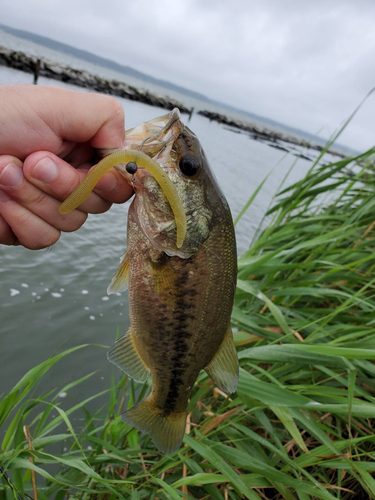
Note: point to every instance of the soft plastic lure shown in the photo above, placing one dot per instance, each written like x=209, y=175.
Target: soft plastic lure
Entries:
x=80, y=194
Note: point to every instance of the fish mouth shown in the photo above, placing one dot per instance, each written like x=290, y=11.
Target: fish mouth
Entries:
x=159, y=130
x=156, y=137
x=152, y=137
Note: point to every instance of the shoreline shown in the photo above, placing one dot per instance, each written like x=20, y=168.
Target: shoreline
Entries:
x=264, y=134
x=82, y=78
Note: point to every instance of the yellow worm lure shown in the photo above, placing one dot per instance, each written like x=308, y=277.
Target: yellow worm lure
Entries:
x=80, y=194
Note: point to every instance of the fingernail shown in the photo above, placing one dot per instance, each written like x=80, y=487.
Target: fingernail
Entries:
x=4, y=196
x=11, y=176
x=45, y=170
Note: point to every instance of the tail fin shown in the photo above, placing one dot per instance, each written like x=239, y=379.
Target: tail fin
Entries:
x=166, y=431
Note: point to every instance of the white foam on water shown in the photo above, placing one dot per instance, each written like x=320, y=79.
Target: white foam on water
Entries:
x=56, y=295
x=46, y=289
x=62, y=289
x=86, y=308
x=62, y=394
x=24, y=285
x=34, y=294
x=105, y=298
x=14, y=292
x=84, y=292
x=92, y=318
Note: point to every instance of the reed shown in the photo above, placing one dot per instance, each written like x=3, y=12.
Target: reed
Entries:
x=301, y=423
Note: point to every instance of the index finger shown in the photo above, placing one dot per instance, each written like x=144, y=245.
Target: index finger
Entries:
x=83, y=117
x=48, y=118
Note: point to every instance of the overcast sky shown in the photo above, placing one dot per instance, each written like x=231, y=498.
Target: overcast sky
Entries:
x=305, y=64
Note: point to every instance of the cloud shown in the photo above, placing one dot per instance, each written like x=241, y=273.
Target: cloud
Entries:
x=305, y=64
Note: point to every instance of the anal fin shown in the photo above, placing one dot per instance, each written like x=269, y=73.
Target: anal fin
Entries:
x=119, y=281
x=125, y=356
x=223, y=368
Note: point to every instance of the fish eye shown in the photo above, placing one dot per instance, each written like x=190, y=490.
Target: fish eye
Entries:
x=189, y=165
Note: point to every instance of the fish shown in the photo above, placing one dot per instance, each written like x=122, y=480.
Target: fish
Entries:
x=181, y=282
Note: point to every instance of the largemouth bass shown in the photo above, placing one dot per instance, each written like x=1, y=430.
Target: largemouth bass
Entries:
x=180, y=292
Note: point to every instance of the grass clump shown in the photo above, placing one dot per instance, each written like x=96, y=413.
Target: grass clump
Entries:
x=301, y=423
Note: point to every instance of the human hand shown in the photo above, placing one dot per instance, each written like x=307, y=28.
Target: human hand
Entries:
x=46, y=149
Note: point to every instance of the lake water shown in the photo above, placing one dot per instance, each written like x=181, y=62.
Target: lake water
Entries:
x=56, y=298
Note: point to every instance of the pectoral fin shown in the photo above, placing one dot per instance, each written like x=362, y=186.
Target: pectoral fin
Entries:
x=124, y=354
x=223, y=369
x=119, y=281
x=164, y=277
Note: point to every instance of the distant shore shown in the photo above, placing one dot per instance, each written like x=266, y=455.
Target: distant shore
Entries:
x=81, y=78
